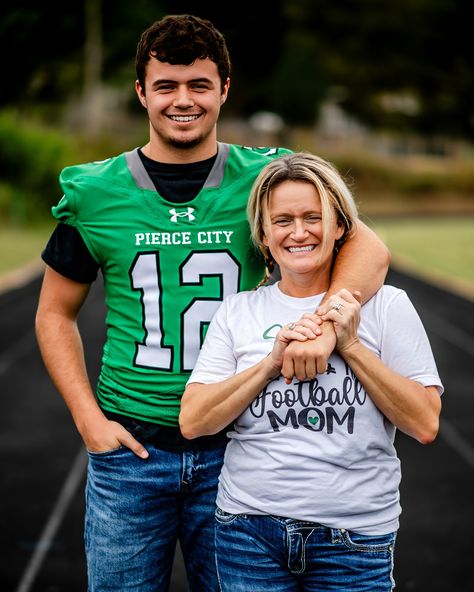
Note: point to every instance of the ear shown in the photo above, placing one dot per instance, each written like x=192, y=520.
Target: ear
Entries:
x=140, y=93
x=225, y=91
x=340, y=231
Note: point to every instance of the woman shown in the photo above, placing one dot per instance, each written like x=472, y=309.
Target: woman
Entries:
x=309, y=492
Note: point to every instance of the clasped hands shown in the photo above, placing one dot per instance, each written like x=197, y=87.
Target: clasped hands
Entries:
x=302, y=348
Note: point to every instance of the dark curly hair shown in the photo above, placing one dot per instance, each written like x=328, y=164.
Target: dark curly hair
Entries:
x=182, y=39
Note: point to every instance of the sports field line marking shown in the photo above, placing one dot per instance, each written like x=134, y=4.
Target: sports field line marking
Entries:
x=456, y=441
x=16, y=278
x=54, y=521
x=463, y=340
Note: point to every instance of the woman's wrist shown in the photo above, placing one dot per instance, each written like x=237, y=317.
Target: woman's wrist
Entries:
x=350, y=349
x=270, y=369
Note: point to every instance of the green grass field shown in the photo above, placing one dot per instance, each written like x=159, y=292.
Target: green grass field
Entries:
x=440, y=249
x=20, y=245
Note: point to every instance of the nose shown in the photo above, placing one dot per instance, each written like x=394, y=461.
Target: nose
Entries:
x=183, y=99
x=299, y=229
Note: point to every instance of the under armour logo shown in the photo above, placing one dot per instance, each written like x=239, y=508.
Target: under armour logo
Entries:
x=175, y=215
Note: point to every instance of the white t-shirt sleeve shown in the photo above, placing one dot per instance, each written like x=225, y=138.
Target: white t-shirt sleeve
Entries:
x=405, y=347
x=216, y=360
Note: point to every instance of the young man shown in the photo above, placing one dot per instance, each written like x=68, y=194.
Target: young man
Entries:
x=166, y=224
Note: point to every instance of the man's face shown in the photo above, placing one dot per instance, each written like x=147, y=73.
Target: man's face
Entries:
x=183, y=103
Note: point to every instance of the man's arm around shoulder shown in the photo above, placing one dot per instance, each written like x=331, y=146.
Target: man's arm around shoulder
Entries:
x=360, y=266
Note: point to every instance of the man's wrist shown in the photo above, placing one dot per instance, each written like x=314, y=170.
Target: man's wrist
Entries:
x=328, y=330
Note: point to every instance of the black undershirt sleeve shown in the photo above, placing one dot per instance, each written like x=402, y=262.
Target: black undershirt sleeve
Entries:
x=67, y=254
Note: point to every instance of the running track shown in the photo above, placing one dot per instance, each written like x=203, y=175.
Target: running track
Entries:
x=42, y=462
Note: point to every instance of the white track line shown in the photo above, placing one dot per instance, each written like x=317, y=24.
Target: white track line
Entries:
x=65, y=497
x=465, y=342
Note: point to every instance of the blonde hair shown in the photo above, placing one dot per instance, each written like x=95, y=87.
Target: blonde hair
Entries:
x=337, y=201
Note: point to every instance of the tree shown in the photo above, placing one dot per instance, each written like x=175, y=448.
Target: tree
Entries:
x=402, y=65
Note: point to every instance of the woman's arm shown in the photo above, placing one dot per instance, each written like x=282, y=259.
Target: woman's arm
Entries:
x=208, y=408
x=410, y=406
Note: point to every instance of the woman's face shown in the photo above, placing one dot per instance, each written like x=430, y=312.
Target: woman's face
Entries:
x=293, y=231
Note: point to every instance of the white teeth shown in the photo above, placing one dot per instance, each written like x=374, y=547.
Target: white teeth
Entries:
x=300, y=249
x=183, y=118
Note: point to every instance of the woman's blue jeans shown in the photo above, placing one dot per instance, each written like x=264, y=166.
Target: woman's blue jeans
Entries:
x=272, y=554
x=137, y=509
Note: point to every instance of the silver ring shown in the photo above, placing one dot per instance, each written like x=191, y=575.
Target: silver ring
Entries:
x=291, y=326
x=337, y=306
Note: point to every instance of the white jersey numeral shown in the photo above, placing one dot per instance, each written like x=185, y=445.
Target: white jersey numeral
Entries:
x=200, y=311
x=195, y=317
x=145, y=277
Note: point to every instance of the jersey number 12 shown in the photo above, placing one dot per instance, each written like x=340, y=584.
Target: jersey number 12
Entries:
x=146, y=277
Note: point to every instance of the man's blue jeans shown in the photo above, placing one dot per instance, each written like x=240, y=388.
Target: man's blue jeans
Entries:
x=272, y=554
x=137, y=509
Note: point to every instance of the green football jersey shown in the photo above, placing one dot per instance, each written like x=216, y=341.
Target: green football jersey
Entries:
x=166, y=268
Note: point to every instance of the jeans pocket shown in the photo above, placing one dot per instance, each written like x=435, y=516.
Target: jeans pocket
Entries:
x=224, y=517
x=383, y=543
x=105, y=453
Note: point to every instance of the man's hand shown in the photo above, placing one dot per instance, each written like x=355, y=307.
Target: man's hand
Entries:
x=305, y=360
x=111, y=435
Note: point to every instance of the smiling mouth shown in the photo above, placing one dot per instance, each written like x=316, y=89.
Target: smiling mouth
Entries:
x=183, y=118
x=305, y=249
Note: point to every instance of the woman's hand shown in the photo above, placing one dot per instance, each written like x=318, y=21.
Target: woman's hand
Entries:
x=343, y=308
x=307, y=327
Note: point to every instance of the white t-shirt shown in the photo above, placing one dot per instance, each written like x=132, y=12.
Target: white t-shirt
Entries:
x=316, y=450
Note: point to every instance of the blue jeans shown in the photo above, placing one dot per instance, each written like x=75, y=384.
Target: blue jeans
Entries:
x=272, y=554
x=137, y=509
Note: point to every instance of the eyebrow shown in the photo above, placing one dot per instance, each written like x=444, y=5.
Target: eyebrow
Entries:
x=305, y=213
x=170, y=81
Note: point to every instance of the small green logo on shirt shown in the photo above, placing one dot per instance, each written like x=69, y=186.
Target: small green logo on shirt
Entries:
x=272, y=331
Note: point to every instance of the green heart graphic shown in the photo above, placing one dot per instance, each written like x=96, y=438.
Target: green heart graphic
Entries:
x=313, y=420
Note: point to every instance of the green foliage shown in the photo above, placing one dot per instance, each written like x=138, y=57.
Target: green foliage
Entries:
x=42, y=47
x=31, y=156
x=404, y=65
x=299, y=103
